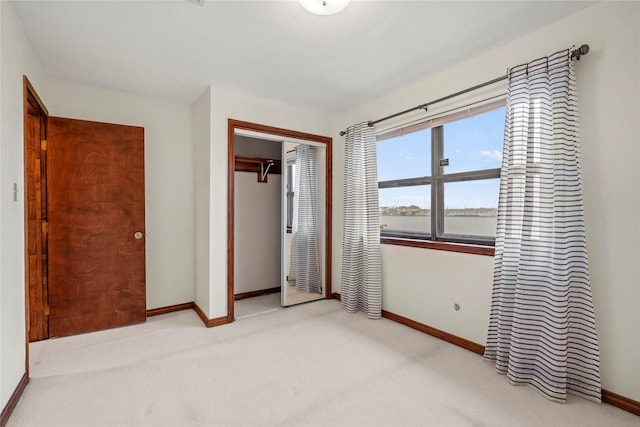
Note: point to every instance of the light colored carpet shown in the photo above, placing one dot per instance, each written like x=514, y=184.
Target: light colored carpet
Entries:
x=307, y=365
x=254, y=306
x=263, y=304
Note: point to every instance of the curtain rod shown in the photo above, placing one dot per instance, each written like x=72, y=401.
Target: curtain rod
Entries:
x=575, y=54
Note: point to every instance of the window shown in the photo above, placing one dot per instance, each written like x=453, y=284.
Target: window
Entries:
x=440, y=181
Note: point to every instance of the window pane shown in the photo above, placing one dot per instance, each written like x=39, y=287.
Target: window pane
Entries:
x=406, y=209
x=471, y=207
x=474, y=143
x=406, y=156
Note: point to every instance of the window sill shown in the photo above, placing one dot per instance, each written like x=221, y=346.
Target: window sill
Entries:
x=440, y=246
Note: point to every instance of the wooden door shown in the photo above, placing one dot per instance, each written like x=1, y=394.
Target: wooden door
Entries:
x=96, y=245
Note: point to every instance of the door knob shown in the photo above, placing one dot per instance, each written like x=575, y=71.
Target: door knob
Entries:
x=138, y=235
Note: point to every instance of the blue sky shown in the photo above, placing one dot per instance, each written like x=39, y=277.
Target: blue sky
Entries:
x=470, y=144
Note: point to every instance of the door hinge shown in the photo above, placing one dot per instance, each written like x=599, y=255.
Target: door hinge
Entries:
x=43, y=145
x=45, y=227
x=46, y=310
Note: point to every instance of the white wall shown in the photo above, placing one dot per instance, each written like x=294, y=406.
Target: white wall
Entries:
x=201, y=112
x=229, y=104
x=16, y=58
x=257, y=232
x=423, y=284
x=3, y=399
x=168, y=152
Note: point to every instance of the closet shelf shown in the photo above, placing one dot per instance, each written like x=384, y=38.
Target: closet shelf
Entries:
x=262, y=166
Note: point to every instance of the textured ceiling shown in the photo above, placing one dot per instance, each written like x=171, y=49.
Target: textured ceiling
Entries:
x=173, y=50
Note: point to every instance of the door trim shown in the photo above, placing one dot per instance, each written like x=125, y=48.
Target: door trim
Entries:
x=280, y=132
x=32, y=104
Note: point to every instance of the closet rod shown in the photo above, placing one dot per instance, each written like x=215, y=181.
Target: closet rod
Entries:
x=575, y=54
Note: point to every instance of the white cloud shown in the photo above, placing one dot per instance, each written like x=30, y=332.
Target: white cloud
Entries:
x=492, y=155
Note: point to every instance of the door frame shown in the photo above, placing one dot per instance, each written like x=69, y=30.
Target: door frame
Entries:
x=234, y=125
x=32, y=105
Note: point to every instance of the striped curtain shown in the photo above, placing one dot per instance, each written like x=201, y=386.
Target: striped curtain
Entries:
x=304, y=267
x=542, y=325
x=361, y=286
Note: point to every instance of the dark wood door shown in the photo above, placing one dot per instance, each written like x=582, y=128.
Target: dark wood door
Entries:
x=96, y=253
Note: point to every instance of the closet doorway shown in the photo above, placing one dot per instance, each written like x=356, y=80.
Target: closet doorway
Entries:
x=279, y=241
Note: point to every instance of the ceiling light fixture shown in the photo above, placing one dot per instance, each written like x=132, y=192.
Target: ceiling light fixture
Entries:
x=324, y=7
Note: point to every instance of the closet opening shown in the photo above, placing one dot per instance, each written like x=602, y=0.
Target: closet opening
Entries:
x=279, y=220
